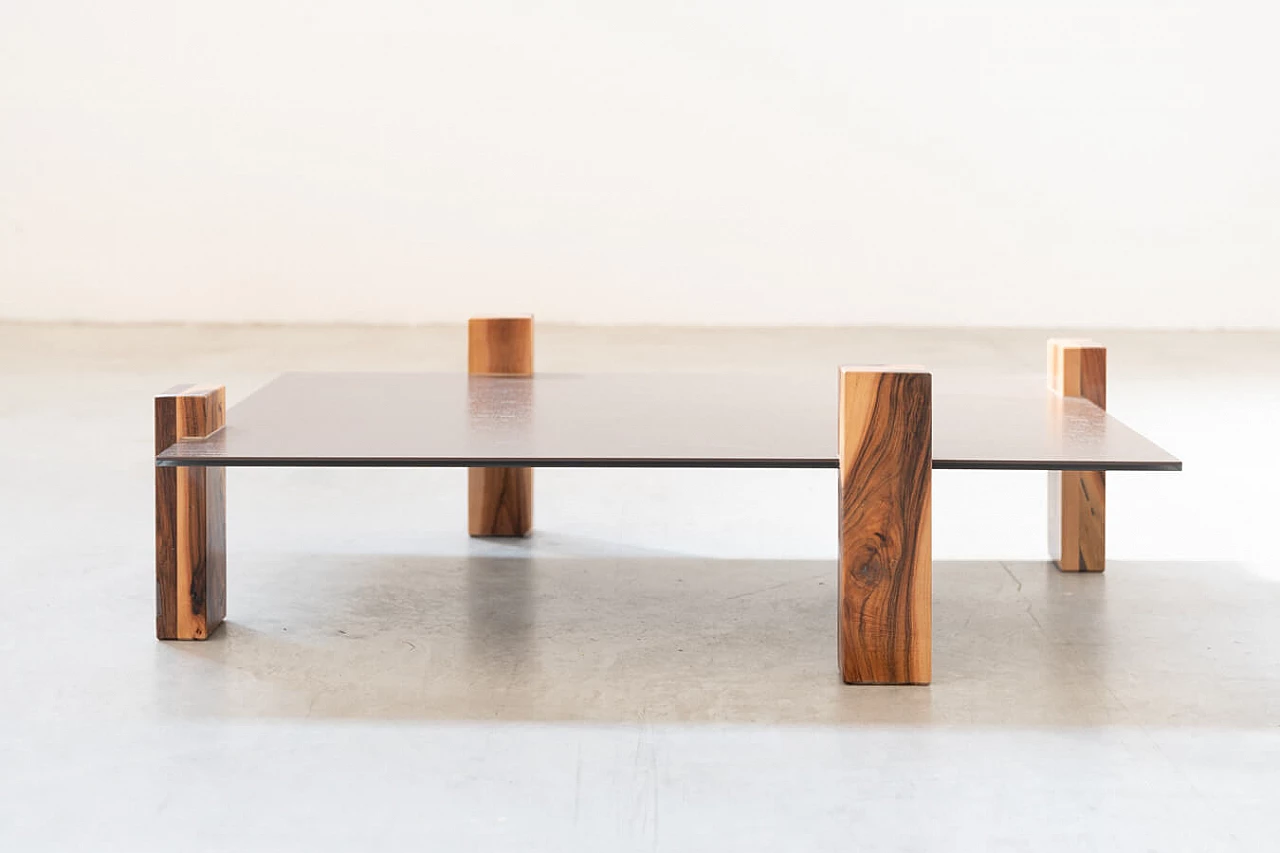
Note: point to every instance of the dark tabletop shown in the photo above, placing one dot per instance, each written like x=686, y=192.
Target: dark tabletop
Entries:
x=637, y=420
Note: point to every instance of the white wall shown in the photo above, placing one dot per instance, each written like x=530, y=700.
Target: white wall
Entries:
x=1056, y=164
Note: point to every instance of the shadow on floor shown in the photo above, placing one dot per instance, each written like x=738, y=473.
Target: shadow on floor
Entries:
x=682, y=639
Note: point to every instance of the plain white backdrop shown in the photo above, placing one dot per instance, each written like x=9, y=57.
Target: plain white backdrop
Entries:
x=988, y=163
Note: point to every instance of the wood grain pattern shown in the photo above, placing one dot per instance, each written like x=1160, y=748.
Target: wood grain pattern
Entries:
x=1077, y=499
x=500, y=500
x=191, y=556
x=500, y=346
x=1078, y=368
x=886, y=549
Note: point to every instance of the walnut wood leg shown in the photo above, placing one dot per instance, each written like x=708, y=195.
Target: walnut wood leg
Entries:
x=191, y=531
x=886, y=570
x=500, y=500
x=1078, y=499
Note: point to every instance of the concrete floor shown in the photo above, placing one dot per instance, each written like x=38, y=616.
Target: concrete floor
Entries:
x=655, y=669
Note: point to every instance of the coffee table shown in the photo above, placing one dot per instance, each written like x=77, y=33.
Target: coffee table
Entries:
x=880, y=426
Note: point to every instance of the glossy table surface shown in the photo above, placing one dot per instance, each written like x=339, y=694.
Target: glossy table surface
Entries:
x=636, y=420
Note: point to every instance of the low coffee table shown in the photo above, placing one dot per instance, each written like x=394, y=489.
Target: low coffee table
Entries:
x=881, y=426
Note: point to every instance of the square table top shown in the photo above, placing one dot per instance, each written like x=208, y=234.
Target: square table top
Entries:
x=635, y=420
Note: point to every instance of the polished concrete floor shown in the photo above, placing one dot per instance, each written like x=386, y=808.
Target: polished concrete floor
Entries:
x=655, y=669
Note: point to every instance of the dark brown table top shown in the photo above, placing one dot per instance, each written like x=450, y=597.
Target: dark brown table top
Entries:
x=636, y=420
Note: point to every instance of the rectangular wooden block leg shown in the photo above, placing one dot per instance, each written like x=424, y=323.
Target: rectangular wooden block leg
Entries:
x=886, y=547
x=191, y=551
x=1078, y=499
x=500, y=500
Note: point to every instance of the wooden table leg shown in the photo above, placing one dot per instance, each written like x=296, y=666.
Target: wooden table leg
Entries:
x=191, y=530
x=1078, y=499
x=500, y=500
x=886, y=547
